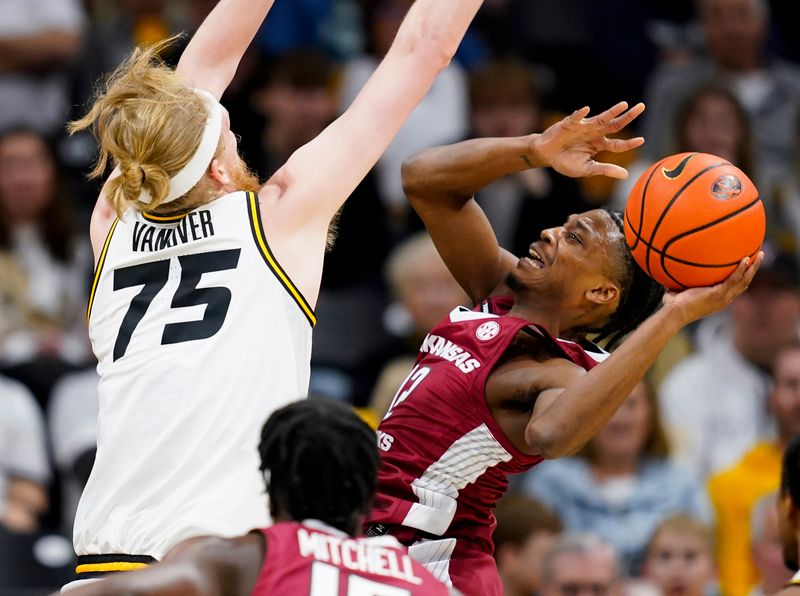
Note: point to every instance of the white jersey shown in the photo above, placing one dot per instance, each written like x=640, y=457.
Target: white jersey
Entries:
x=200, y=336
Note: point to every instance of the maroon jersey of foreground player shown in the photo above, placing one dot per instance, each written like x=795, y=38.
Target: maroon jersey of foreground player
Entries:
x=314, y=558
x=445, y=460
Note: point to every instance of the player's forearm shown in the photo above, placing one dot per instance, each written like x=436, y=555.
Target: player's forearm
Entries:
x=435, y=28
x=457, y=172
x=583, y=408
x=40, y=52
x=212, y=57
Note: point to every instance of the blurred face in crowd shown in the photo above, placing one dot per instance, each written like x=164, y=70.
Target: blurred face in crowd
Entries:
x=713, y=126
x=625, y=434
x=681, y=563
x=785, y=396
x=428, y=291
x=735, y=32
x=296, y=114
x=27, y=177
x=505, y=119
x=583, y=574
x=521, y=566
x=765, y=320
x=767, y=553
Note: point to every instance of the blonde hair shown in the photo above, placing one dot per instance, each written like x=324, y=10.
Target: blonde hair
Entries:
x=403, y=259
x=686, y=525
x=149, y=122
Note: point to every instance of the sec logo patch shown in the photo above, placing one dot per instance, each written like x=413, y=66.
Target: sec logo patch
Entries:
x=487, y=330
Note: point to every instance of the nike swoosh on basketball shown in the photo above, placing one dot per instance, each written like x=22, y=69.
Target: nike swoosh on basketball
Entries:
x=672, y=174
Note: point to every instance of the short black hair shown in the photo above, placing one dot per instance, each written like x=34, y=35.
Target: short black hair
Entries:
x=640, y=295
x=790, y=471
x=322, y=461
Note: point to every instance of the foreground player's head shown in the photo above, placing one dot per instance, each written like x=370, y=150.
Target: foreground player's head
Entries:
x=321, y=462
x=789, y=504
x=172, y=143
x=584, y=271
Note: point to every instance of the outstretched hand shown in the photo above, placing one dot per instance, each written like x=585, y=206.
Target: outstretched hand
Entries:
x=696, y=303
x=569, y=146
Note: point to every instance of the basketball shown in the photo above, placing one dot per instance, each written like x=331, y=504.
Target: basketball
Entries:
x=691, y=218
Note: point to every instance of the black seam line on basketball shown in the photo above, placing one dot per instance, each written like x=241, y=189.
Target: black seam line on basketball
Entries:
x=641, y=204
x=701, y=228
x=660, y=251
x=672, y=201
x=252, y=201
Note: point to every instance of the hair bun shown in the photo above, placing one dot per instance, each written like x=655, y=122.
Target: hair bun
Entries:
x=151, y=178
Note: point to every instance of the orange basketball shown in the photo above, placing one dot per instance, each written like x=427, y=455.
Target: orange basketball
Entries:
x=691, y=218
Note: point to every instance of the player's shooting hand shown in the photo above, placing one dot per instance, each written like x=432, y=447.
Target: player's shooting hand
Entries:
x=696, y=303
x=569, y=146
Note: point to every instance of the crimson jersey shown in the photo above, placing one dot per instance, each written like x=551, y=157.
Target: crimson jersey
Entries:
x=314, y=559
x=445, y=461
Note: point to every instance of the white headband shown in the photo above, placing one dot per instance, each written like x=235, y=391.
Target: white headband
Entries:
x=185, y=180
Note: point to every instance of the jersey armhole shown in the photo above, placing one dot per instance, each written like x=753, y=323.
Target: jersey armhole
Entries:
x=99, y=269
x=254, y=215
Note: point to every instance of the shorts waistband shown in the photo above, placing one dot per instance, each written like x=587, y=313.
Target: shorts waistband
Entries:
x=92, y=566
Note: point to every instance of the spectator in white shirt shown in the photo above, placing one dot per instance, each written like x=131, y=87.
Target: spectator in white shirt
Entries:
x=24, y=469
x=38, y=38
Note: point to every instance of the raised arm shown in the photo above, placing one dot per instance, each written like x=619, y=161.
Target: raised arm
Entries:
x=209, y=62
x=213, y=55
x=566, y=417
x=441, y=184
x=316, y=180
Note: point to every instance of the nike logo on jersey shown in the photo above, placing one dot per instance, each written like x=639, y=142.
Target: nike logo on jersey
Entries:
x=444, y=348
x=195, y=226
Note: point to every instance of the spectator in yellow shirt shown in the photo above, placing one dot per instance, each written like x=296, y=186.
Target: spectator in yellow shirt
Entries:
x=735, y=491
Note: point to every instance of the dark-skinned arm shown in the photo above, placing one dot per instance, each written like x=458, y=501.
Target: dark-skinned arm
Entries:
x=441, y=182
x=564, y=419
x=202, y=566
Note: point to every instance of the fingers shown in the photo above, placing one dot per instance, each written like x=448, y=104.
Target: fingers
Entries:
x=738, y=281
x=753, y=267
x=607, y=117
x=607, y=169
x=579, y=115
x=620, y=122
x=622, y=145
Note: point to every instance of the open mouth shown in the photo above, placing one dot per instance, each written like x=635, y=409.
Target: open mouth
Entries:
x=535, y=259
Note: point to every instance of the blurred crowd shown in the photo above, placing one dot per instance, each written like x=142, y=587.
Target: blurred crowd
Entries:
x=675, y=494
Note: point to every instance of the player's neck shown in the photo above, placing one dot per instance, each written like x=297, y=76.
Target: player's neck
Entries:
x=541, y=316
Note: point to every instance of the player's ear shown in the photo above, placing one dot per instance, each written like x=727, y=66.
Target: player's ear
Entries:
x=219, y=173
x=603, y=292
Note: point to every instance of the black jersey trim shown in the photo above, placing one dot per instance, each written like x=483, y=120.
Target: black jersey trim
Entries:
x=99, y=269
x=152, y=217
x=96, y=566
x=254, y=214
